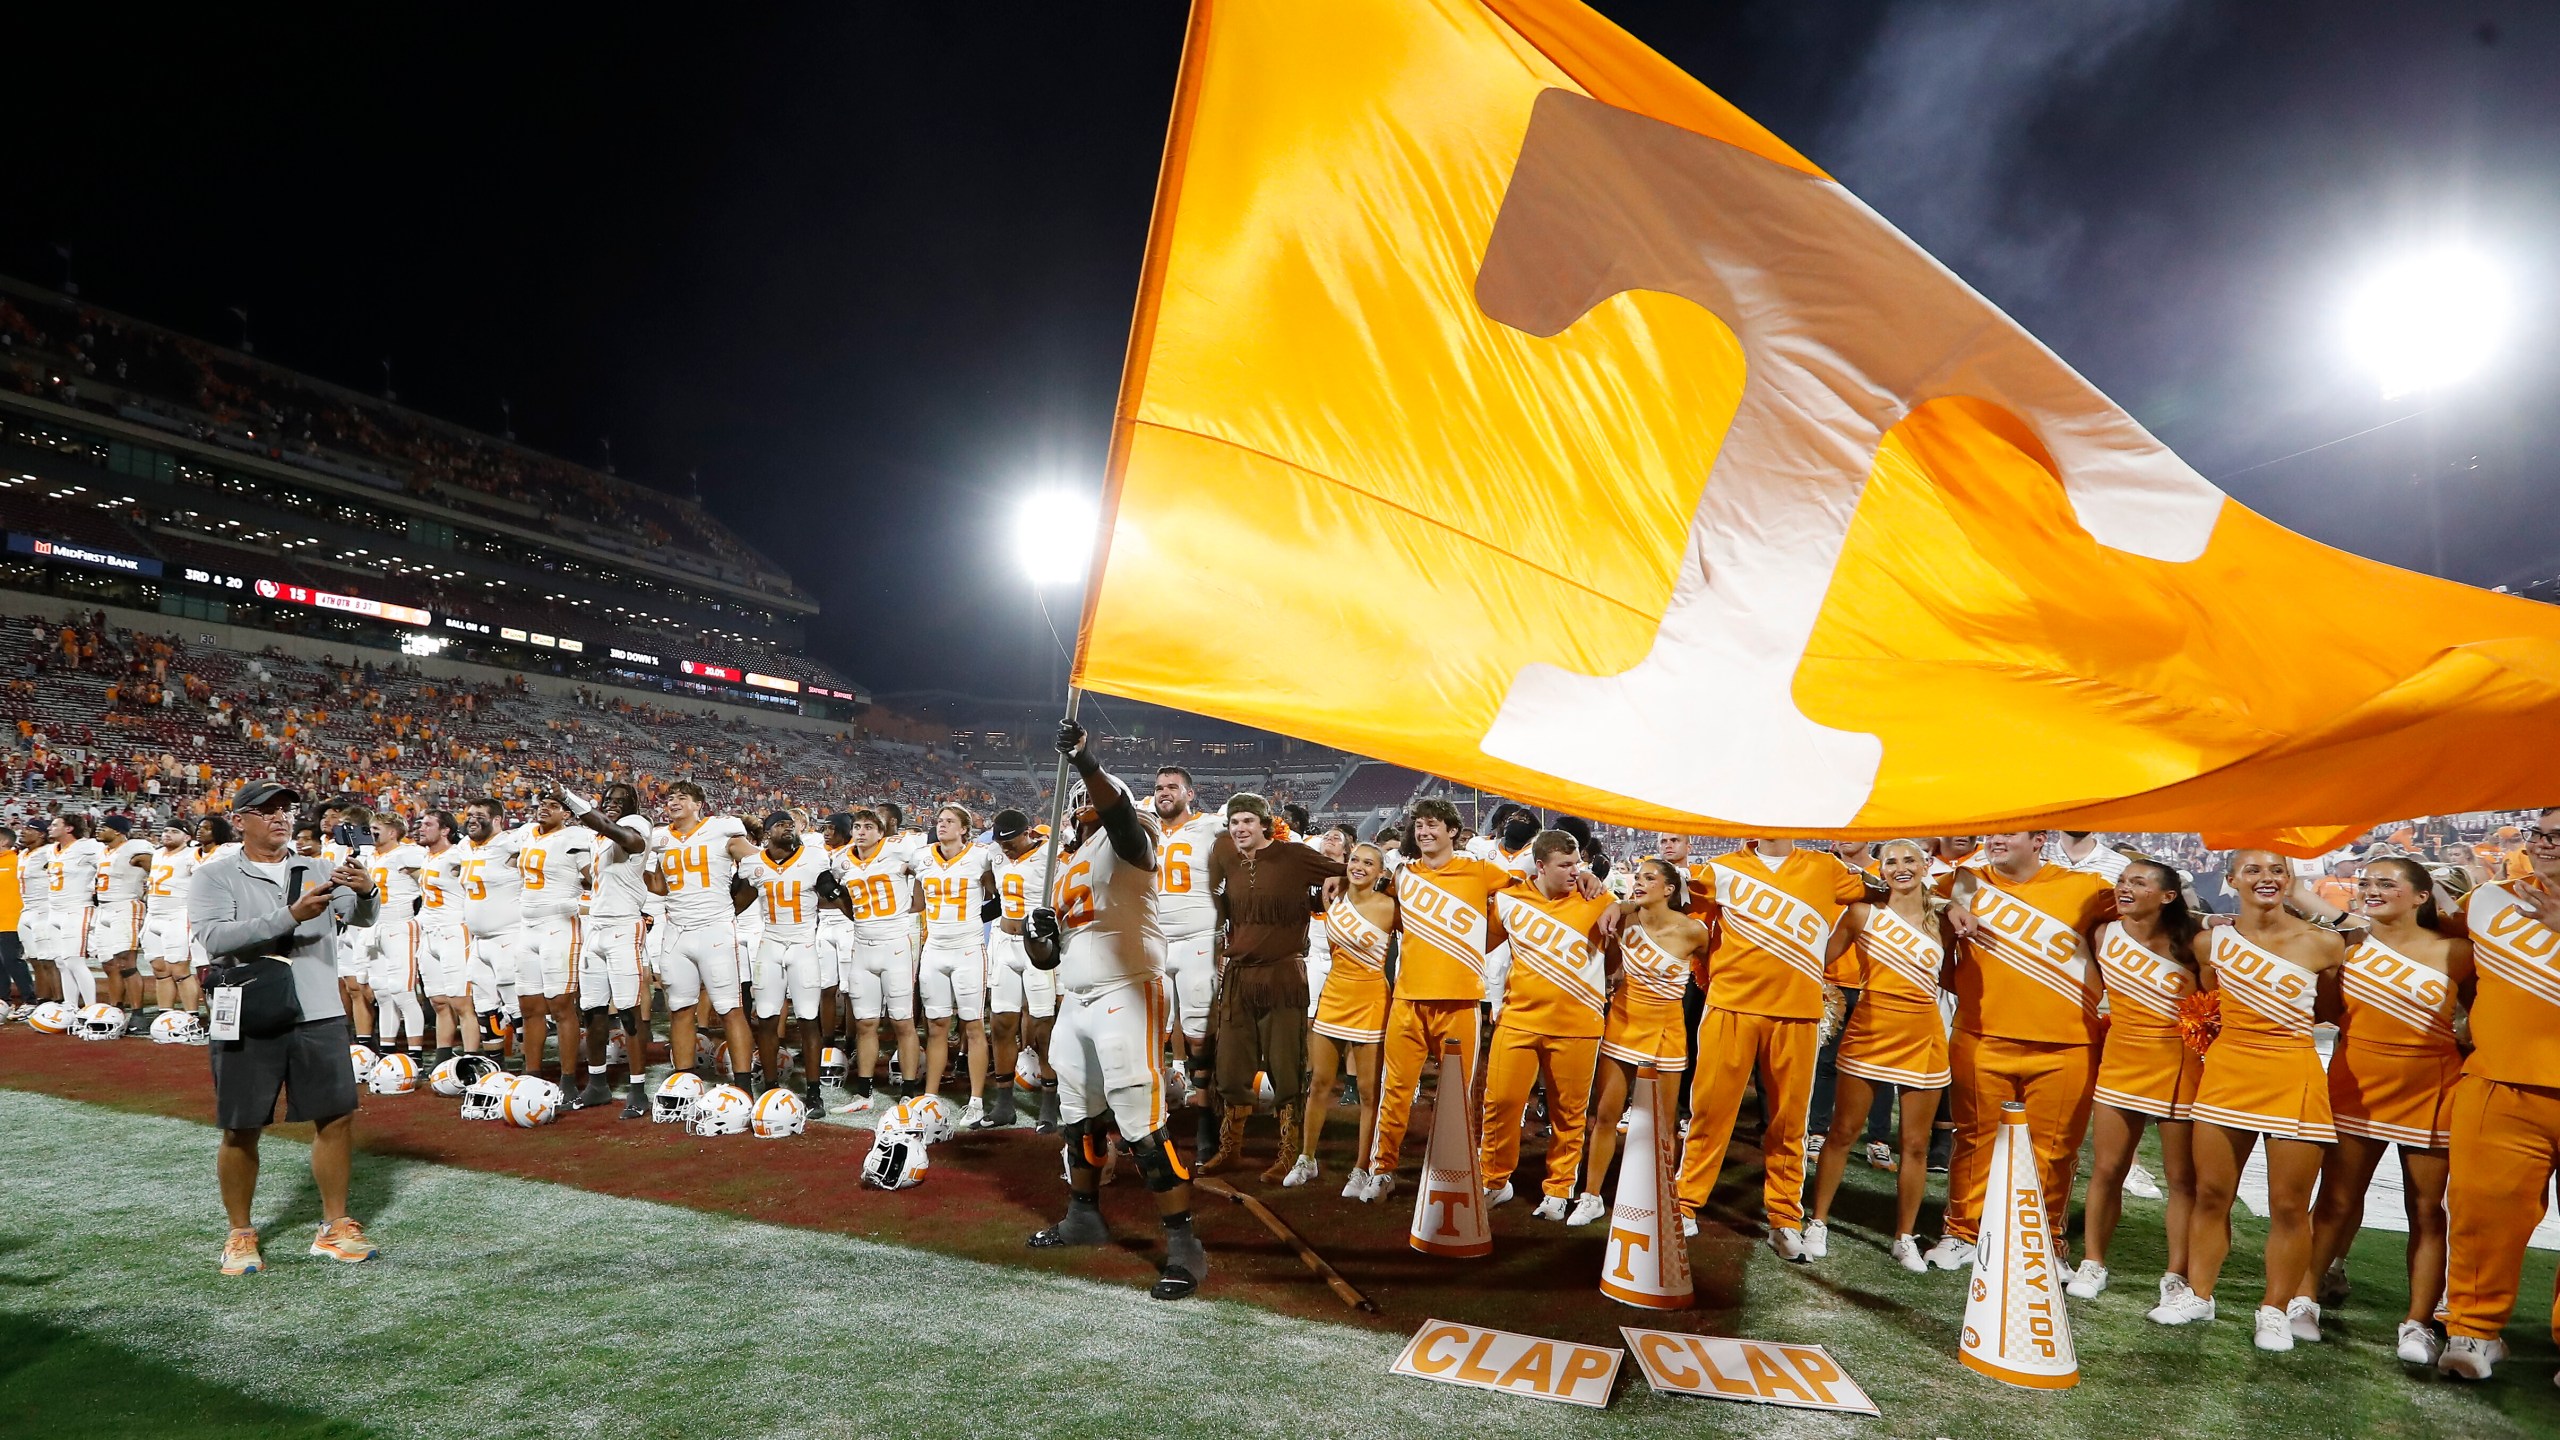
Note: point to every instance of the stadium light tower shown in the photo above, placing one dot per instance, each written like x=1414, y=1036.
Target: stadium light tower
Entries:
x=2427, y=320
x=1053, y=536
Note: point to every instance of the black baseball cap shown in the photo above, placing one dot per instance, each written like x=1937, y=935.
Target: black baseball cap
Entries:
x=1010, y=823
x=259, y=794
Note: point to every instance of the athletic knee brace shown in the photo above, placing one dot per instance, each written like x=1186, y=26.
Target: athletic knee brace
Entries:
x=1157, y=1164
x=1087, y=1148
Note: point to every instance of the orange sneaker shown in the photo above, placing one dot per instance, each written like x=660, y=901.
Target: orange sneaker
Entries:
x=240, y=1254
x=344, y=1240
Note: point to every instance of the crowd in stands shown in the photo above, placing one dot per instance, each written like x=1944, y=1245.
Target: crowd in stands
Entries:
x=73, y=353
x=110, y=719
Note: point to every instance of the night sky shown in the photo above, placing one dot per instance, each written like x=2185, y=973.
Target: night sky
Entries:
x=869, y=273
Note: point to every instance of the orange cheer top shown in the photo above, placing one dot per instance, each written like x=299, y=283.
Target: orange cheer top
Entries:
x=1445, y=914
x=2515, y=1015
x=1898, y=959
x=1777, y=930
x=1558, y=985
x=2026, y=973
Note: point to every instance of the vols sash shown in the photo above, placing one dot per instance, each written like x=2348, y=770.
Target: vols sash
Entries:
x=2265, y=981
x=1545, y=944
x=1774, y=920
x=1356, y=939
x=2140, y=977
x=2515, y=947
x=2387, y=981
x=1429, y=912
x=2032, y=943
x=1649, y=967
x=1897, y=945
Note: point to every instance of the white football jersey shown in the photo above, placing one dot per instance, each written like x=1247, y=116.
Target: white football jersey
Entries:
x=619, y=883
x=954, y=887
x=1107, y=907
x=1183, y=903
x=554, y=866
x=171, y=872
x=395, y=880
x=440, y=887
x=35, y=871
x=492, y=887
x=883, y=885
x=1018, y=880
x=71, y=874
x=698, y=869
x=120, y=880
x=787, y=892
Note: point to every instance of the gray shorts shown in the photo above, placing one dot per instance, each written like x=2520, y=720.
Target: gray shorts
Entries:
x=309, y=1062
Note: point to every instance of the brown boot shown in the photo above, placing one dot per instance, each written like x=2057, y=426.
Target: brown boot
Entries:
x=1230, y=1141
x=1288, y=1155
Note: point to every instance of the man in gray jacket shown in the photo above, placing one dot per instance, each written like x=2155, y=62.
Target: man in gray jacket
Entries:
x=265, y=901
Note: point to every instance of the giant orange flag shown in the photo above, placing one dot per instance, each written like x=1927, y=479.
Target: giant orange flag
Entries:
x=1503, y=403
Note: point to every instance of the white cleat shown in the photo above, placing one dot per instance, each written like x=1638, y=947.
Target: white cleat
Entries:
x=1357, y=1187
x=1788, y=1242
x=1688, y=1226
x=1551, y=1208
x=2418, y=1343
x=1382, y=1183
x=1813, y=1147
x=1951, y=1253
x=973, y=1114
x=2273, y=1331
x=2139, y=1184
x=1496, y=1195
x=2466, y=1358
x=2302, y=1316
x=2187, y=1309
x=1302, y=1173
x=858, y=1105
x=1817, y=1240
x=1906, y=1253
x=2088, y=1282
x=1587, y=1208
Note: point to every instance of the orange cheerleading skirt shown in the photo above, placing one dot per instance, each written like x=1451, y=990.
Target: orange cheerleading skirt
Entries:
x=1645, y=1029
x=2148, y=1069
x=2399, y=1093
x=1353, y=1007
x=1897, y=1041
x=2274, y=1087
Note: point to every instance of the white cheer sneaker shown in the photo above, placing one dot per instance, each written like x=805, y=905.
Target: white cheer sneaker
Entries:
x=2302, y=1315
x=1817, y=1240
x=1587, y=1208
x=1906, y=1253
x=2418, y=1343
x=2088, y=1282
x=2185, y=1308
x=1951, y=1253
x=2271, y=1330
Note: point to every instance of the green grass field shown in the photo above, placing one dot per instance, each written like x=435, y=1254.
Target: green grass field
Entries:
x=507, y=1306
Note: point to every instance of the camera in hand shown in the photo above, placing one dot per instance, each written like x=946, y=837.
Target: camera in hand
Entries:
x=350, y=836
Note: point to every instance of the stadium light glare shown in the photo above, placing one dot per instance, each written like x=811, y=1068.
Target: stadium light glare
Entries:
x=1053, y=536
x=2427, y=320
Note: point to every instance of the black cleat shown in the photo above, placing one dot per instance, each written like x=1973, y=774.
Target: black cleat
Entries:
x=1172, y=1283
x=1048, y=1110
x=598, y=1092
x=811, y=1098
x=636, y=1107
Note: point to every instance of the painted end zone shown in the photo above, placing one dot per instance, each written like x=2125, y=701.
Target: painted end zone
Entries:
x=1757, y=1372
x=1455, y=1354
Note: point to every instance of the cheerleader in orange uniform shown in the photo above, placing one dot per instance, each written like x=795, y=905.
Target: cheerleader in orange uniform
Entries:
x=1351, y=1013
x=1655, y=950
x=1896, y=1036
x=2391, y=1080
x=2147, y=1075
x=2262, y=1077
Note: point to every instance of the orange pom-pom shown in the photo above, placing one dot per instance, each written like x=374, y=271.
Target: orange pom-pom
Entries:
x=2200, y=1019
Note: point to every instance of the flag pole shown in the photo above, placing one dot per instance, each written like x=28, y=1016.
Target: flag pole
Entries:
x=1057, y=815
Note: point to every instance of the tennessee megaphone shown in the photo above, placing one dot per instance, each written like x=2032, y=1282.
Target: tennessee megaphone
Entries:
x=1448, y=1210
x=2015, y=1327
x=1647, y=1262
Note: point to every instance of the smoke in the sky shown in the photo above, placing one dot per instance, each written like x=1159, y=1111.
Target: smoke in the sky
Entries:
x=1943, y=107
